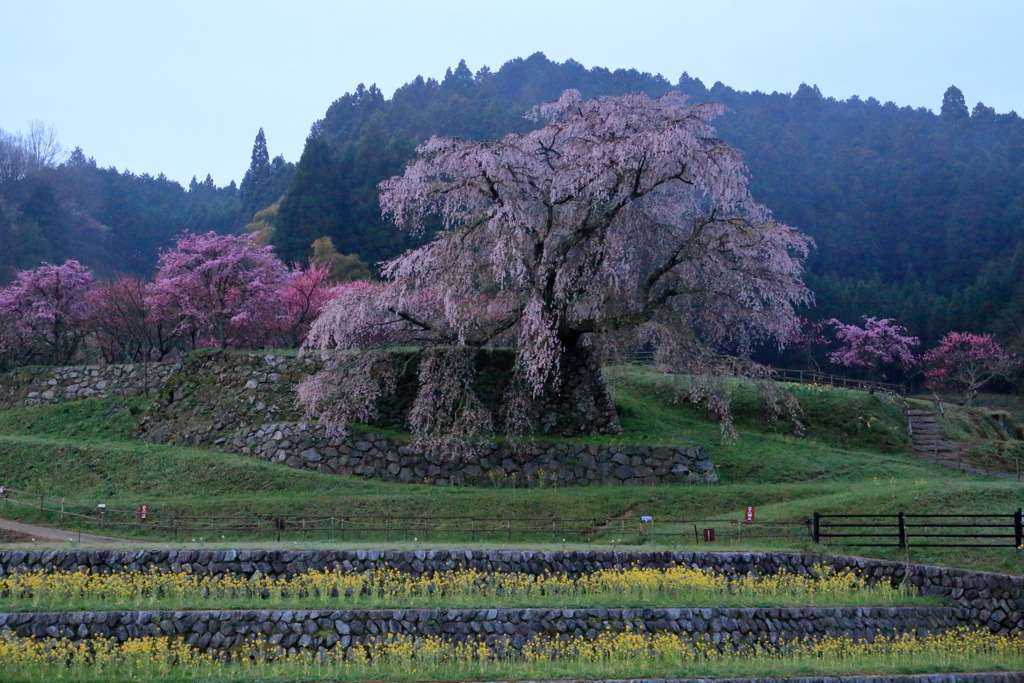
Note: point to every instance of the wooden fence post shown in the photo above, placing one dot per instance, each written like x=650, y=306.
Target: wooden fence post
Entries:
x=816, y=528
x=903, y=531
x=1018, y=528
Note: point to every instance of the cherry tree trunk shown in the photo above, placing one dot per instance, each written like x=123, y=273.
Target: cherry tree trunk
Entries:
x=580, y=405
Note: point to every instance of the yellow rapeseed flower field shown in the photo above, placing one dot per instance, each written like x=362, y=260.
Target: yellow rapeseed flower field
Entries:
x=25, y=659
x=675, y=586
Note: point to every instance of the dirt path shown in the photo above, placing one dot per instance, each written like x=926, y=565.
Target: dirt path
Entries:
x=14, y=532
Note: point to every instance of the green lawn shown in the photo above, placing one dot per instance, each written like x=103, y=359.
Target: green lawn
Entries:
x=853, y=457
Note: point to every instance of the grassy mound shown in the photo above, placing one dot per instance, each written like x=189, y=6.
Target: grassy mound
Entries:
x=853, y=457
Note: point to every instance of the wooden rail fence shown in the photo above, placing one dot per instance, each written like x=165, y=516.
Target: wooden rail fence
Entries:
x=902, y=530
x=809, y=377
x=897, y=530
x=806, y=377
x=630, y=530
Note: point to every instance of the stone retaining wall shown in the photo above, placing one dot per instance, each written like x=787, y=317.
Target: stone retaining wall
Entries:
x=245, y=403
x=323, y=629
x=527, y=464
x=995, y=601
x=579, y=406
x=47, y=385
x=218, y=394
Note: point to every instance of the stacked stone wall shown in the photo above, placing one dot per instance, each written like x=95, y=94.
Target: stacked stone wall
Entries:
x=215, y=393
x=242, y=390
x=218, y=630
x=39, y=385
x=245, y=403
x=525, y=464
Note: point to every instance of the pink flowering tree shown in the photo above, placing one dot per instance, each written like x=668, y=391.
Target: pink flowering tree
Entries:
x=966, y=362
x=359, y=322
x=879, y=346
x=621, y=220
x=124, y=325
x=220, y=290
x=43, y=313
x=302, y=296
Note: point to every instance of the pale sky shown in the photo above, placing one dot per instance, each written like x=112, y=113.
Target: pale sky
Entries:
x=182, y=86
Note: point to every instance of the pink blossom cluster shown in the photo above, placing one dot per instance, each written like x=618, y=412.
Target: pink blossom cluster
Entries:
x=966, y=362
x=880, y=342
x=961, y=361
x=210, y=290
x=43, y=314
x=619, y=221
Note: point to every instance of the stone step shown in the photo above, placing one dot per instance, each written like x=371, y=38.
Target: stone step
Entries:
x=938, y=455
x=935, y=450
x=926, y=436
x=948, y=464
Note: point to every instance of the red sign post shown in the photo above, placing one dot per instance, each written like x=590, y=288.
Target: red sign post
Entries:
x=748, y=514
x=143, y=511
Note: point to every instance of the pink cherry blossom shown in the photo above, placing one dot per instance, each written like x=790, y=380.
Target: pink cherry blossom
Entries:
x=621, y=220
x=124, y=326
x=222, y=290
x=43, y=313
x=966, y=362
x=879, y=343
x=303, y=294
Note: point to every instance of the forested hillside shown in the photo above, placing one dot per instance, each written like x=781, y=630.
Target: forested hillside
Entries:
x=916, y=215
x=115, y=222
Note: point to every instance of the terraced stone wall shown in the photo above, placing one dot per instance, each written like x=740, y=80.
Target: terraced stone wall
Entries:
x=216, y=394
x=527, y=464
x=39, y=385
x=245, y=403
x=324, y=629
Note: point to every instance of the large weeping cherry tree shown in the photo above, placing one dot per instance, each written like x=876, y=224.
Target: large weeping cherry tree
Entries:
x=620, y=221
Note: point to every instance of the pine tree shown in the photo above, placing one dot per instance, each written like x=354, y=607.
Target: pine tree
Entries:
x=257, y=178
x=954, y=106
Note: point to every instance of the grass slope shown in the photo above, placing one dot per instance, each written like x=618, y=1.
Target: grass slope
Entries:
x=853, y=457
